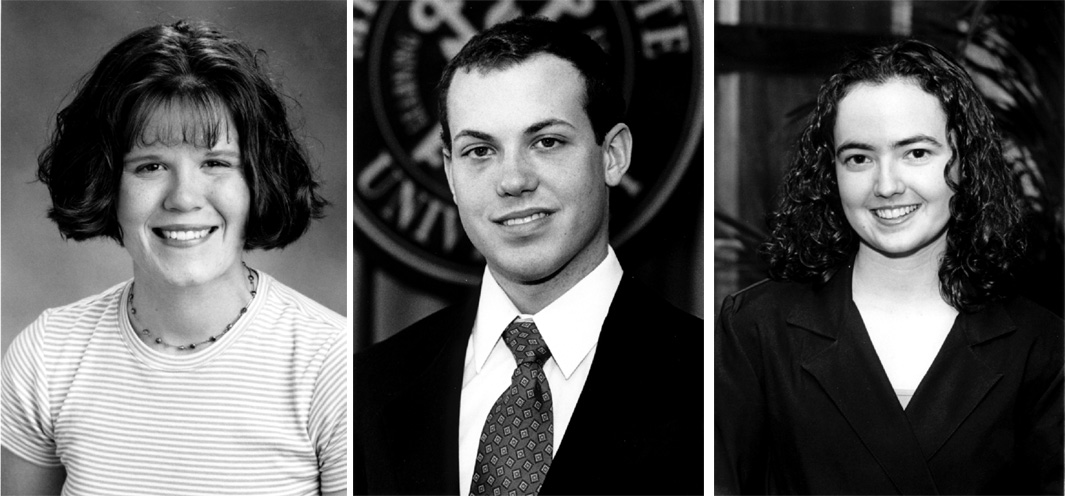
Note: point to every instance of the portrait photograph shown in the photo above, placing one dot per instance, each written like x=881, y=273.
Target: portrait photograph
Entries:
x=175, y=246
x=888, y=233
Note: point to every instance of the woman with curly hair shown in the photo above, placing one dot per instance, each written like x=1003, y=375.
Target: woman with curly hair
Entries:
x=200, y=375
x=887, y=354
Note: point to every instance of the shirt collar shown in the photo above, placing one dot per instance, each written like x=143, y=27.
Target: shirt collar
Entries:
x=570, y=325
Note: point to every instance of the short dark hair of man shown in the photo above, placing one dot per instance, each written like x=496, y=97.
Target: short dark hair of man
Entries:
x=191, y=67
x=512, y=42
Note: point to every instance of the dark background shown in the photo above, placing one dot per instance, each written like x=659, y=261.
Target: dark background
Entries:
x=666, y=254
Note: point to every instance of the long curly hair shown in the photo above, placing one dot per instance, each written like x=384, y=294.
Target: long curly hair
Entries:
x=810, y=237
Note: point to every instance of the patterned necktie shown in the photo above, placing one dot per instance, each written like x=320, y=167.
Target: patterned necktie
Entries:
x=517, y=438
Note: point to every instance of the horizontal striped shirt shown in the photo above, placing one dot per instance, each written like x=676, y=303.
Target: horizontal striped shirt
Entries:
x=262, y=411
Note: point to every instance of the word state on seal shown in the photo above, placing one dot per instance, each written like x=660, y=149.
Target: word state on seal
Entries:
x=401, y=198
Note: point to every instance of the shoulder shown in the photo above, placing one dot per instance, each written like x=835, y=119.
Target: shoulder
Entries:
x=765, y=299
x=74, y=323
x=421, y=340
x=1029, y=315
x=633, y=300
x=1036, y=324
x=287, y=304
x=437, y=342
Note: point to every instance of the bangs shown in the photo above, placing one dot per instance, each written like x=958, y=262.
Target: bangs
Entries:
x=199, y=119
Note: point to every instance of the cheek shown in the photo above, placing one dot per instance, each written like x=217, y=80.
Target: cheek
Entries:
x=234, y=200
x=850, y=189
x=130, y=204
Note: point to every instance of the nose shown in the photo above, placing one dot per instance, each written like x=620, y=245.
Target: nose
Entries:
x=517, y=176
x=185, y=191
x=888, y=180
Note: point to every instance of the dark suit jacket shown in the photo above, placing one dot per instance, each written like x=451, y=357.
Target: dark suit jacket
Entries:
x=803, y=405
x=637, y=427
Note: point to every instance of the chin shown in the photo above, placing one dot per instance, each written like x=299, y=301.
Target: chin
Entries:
x=523, y=272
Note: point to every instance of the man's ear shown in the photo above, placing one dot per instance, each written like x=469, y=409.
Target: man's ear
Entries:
x=447, y=169
x=617, y=152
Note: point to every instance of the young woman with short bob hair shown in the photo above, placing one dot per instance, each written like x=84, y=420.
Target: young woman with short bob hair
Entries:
x=200, y=375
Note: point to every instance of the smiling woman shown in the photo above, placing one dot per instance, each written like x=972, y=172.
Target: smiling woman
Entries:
x=889, y=353
x=178, y=146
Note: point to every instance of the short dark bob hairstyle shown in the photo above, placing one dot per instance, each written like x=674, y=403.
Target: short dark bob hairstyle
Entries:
x=205, y=76
x=510, y=43
x=810, y=237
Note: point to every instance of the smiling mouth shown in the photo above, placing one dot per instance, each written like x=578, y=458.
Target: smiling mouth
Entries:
x=183, y=235
x=525, y=220
x=894, y=212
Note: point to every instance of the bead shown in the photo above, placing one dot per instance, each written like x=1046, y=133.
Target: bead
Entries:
x=211, y=339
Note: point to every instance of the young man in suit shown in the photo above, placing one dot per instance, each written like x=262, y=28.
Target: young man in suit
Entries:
x=563, y=376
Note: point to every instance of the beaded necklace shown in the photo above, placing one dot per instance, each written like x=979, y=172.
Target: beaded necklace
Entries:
x=192, y=346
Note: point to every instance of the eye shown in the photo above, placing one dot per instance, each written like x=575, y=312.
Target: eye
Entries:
x=480, y=151
x=147, y=168
x=920, y=154
x=217, y=163
x=548, y=143
x=856, y=160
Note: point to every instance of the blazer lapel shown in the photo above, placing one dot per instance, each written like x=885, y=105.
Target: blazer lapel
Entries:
x=425, y=416
x=849, y=371
x=595, y=418
x=957, y=380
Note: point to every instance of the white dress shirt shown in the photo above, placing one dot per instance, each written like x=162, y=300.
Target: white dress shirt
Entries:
x=570, y=326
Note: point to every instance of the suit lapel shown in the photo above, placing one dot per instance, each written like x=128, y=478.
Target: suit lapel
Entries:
x=957, y=380
x=425, y=416
x=847, y=368
x=592, y=428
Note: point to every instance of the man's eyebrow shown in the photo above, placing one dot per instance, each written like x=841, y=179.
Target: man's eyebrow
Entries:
x=473, y=134
x=920, y=138
x=535, y=128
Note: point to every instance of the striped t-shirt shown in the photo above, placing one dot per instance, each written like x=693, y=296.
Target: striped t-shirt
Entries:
x=261, y=411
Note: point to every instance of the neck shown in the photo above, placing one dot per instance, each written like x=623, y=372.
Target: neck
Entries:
x=899, y=280
x=531, y=297
x=183, y=315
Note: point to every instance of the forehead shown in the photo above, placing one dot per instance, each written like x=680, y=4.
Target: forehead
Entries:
x=203, y=124
x=896, y=109
x=541, y=87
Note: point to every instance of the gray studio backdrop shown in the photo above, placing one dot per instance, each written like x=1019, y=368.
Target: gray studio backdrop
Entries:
x=48, y=46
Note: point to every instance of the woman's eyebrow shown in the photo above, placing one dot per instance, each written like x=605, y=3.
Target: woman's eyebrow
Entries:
x=919, y=138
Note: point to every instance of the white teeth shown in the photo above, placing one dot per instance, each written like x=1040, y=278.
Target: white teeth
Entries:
x=893, y=213
x=185, y=235
x=523, y=220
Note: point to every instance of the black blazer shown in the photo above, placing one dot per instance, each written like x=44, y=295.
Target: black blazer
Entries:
x=803, y=405
x=637, y=427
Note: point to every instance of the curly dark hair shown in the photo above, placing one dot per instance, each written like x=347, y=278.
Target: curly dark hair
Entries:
x=515, y=41
x=205, y=75
x=810, y=236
